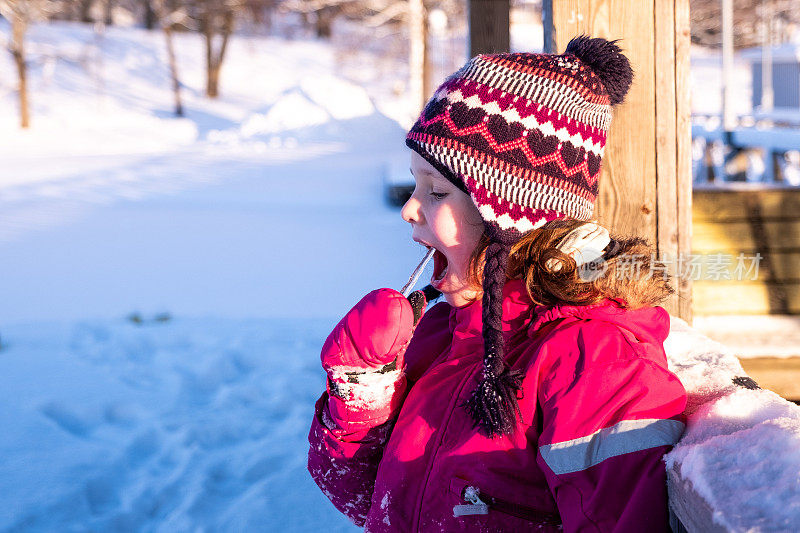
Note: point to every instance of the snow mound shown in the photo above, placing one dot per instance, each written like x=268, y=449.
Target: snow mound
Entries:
x=290, y=112
x=739, y=451
x=342, y=99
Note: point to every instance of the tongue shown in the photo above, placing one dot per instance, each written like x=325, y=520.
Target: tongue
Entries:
x=439, y=265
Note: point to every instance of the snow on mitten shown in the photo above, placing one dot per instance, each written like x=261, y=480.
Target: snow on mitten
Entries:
x=363, y=357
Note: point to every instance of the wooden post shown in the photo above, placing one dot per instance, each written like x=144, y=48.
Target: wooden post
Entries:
x=646, y=185
x=489, y=24
x=728, y=114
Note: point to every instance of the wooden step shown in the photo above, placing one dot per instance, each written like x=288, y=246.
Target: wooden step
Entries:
x=780, y=375
x=747, y=220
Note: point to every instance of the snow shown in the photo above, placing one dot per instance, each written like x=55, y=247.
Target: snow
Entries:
x=167, y=284
x=236, y=236
x=705, y=82
x=739, y=450
x=373, y=390
x=279, y=177
x=384, y=506
x=169, y=427
x=753, y=335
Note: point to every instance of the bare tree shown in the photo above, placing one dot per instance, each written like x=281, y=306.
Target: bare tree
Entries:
x=21, y=13
x=259, y=12
x=169, y=14
x=324, y=12
x=149, y=14
x=706, y=27
x=108, y=8
x=216, y=20
x=394, y=16
x=84, y=10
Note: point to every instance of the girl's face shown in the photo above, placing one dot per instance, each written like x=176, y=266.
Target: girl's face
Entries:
x=444, y=218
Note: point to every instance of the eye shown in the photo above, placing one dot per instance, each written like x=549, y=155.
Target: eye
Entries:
x=438, y=195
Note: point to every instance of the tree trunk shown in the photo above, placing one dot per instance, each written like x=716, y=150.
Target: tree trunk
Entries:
x=212, y=81
x=265, y=17
x=173, y=70
x=149, y=15
x=489, y=23
x=324, y=22
x=208, y=33
x=214, y=60
x=418, y=61
x=17, y=50
x=108, y=6
x=427, y=74
x=305, y=21
x=85, y=9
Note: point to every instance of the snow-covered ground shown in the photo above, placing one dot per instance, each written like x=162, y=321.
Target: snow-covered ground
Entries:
x=249, y=227
x=249, y=207
x=189, y=425
x=754, y=335
x=166, y=283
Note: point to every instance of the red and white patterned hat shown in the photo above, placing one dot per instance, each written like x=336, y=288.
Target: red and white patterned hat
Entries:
x=523, y=135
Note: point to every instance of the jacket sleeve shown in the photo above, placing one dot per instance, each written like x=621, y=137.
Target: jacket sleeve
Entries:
x=344, y=462
x=344, y=465
x=610, y=410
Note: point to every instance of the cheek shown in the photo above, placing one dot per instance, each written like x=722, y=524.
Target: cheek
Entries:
x=457, y=223
x=471, y=227
x=446, y=226
x=469, y=236
x=470, y=230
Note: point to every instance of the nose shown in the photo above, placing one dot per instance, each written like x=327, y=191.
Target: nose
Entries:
x=411, y=210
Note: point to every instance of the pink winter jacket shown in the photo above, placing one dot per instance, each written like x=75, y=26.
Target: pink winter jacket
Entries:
x=599, y=411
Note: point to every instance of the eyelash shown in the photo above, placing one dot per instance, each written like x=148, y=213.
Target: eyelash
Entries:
x=439, y=195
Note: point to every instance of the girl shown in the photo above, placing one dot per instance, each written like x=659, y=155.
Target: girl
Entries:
x=538, y=396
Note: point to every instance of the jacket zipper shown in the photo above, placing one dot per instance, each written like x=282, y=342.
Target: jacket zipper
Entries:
x=439, y=437
x=476, y=505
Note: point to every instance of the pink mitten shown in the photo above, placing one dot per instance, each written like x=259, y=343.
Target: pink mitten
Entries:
x=363, y=357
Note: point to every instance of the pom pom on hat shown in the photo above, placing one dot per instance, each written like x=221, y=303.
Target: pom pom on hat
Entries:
x=606, y=60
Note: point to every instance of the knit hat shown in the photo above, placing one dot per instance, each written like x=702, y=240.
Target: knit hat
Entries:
x=523, y=135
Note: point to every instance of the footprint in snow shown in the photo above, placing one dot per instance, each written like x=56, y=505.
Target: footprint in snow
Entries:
x=67, y=420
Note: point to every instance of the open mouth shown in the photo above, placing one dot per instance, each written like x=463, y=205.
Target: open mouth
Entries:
x=440, y=266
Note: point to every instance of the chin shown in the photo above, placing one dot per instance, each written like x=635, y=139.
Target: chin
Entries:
x=460, y=298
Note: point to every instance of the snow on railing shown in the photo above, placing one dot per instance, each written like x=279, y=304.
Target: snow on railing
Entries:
x=737, y=466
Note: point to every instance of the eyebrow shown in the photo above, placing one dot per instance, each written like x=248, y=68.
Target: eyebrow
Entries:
x=424, y=172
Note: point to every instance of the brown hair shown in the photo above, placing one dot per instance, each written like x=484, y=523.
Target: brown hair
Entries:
x=631, y=275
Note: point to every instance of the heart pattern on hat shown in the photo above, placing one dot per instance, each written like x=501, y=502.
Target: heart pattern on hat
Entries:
x=593, y=162
x=502, y=130
x=540, y=144
x=571, y=155
x=464, y=116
